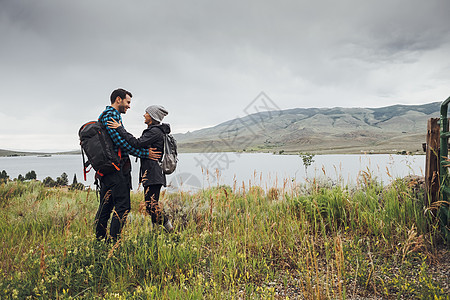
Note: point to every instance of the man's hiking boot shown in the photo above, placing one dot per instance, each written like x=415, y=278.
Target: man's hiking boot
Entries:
x=168, y=226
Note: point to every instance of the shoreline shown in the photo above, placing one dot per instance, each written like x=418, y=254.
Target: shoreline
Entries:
x=281, y=152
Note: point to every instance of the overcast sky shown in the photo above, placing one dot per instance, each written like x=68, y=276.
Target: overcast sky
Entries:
x=206, y=61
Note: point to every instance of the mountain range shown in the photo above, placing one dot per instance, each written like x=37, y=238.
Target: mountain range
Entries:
x=337, y=130
x=391, y=129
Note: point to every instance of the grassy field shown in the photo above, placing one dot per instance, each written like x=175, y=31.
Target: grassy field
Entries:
x=314, y=240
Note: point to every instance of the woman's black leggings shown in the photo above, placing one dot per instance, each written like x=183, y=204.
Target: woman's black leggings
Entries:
x=152, y=203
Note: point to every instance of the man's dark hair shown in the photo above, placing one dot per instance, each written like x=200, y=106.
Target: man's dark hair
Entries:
x=119, y=93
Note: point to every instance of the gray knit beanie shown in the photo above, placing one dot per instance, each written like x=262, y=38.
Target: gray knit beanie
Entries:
x=157, y=112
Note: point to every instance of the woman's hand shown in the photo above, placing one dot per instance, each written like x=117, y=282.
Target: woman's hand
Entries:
x=114, y=124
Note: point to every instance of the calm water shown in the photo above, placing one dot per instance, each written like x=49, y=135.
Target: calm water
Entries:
x=197, y=170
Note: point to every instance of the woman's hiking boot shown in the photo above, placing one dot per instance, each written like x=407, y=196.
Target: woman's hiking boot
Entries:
x=168, y=226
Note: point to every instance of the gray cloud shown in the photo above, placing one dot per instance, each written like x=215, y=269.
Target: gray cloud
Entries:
x=205, y=60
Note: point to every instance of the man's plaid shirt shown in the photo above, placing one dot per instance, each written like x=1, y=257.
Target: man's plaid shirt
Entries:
x=119, y=142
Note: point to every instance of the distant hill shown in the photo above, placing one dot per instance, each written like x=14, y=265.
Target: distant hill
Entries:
x=389, y=129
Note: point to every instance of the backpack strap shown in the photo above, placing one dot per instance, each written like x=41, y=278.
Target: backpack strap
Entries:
x=119, y=152
x=84, y=163
x=164, y=143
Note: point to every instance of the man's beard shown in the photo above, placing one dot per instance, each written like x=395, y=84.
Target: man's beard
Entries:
x=122, y=109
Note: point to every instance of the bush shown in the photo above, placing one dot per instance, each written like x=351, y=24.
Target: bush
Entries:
x=49, y=182
x=63, y=180
x=30, y=175
x=76, y=186
x=4, y=176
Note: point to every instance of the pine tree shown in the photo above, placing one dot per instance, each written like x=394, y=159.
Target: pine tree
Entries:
x=4, y=176
x=75, y=184
x=75, y=181
x=30, y=175
x=62, y=180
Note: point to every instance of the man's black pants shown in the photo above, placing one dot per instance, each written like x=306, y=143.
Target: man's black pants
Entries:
x=114, y=198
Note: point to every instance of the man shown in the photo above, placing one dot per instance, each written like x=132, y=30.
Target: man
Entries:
x=115, y=187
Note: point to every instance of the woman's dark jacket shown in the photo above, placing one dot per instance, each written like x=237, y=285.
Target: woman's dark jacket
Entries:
x=152, y=137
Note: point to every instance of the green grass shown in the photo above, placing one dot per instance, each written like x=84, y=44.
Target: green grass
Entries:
x=314, y=241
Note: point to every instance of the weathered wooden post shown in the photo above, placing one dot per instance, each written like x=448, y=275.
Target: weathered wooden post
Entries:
x=432, y=160
x=444, y=165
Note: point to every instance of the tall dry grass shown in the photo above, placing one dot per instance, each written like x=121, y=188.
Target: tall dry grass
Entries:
x=309, y=241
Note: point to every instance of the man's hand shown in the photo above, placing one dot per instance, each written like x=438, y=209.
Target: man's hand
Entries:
x=154, y=155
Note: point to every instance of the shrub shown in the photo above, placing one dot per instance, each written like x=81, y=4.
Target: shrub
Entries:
x=30, y=175
x=49, y=182
x=63, y=180
x=4, y=176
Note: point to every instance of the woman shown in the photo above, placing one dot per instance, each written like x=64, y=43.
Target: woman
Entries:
x=151, y=174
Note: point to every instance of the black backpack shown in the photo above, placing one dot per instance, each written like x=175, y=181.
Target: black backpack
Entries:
x=98, y=147
x=169, y=159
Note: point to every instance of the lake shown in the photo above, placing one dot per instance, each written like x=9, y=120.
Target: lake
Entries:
x=199, y=170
